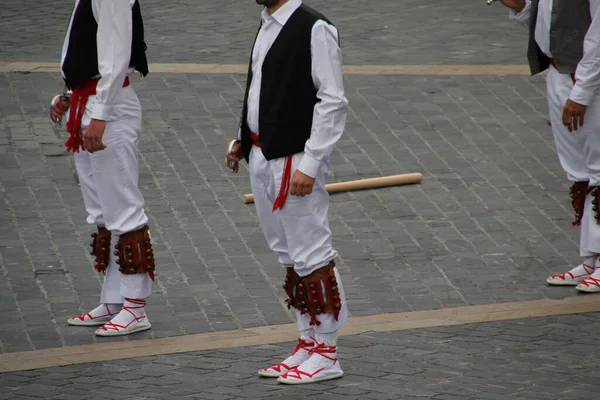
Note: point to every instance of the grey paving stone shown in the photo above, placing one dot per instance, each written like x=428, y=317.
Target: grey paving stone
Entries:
x=431, y=363
x=489, y=222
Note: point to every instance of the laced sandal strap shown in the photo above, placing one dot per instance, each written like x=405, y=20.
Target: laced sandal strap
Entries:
x=303, y=345
x=563, y=275
x=140, y=304
x=82, y=317
x=322, y=350
x=591, y=282
x=277, y=367
x=88, y=315
x=297, y=373
x=113, y=326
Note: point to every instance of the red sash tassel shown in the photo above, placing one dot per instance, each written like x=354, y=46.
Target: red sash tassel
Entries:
x=285, y=179
x=79, y=99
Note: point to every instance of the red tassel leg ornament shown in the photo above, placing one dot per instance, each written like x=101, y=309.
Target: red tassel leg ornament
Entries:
x=578, y=193
x=135, y=254
x=101, y=249
x=314, y=294
x=596, y=203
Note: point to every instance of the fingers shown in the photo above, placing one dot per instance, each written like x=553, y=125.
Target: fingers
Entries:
x=233, y=156
x=581, y=119
x=573, y=120
x=87, y=143
x=55, y=116
x=93, y=144
x=57, y=113
x=294, y=189
x=568, y=119
x=299, y=189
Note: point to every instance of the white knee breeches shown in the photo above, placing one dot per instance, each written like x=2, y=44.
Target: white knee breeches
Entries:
x=109, y=185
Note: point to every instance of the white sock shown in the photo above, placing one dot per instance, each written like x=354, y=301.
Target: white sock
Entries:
x=587, y=268
x=328, y=339
x=307, y=335
x=114, y=308
x=596, y=274
x=105, y=309
x=133, y=309
x=326, y=358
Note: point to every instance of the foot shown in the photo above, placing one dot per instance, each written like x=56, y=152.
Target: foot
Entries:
x=572, y=277
x=322, y=365
x=589, y=285
x=98, y=316
x=301, y=353
x=131, y=319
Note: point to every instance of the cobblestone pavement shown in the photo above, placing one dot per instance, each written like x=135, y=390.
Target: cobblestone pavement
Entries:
x=545, y=358
x=489, y=222
x=202, y=31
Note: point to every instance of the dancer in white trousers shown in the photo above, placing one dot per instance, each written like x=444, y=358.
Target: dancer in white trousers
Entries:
x=294, y=113
x=104, y=44
x=564, y=38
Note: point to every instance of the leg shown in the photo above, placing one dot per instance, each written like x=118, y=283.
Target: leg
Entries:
x=116, y=173
x=110, y=299
x=570, y=147
x=306, y=225
x=590, y=227
x=264, y=192
x=571, y=153
x=91, y=201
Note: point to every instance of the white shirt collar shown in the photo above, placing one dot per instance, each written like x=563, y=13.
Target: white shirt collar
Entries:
x=283, y=13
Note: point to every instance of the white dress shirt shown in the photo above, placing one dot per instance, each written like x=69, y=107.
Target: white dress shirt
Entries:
x=115, y=32
x=587, y=75
x=329, y=117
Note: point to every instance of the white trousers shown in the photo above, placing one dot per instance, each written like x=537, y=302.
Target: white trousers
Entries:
x=299, y=233
x=578, y=151
x=109, y=185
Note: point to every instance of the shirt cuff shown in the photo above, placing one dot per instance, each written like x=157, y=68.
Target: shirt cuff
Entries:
x=581, y=95
x=101, y=111
x=309, y=166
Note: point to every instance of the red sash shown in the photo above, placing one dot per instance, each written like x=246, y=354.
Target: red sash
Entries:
x=79, y=99
x=285, y=179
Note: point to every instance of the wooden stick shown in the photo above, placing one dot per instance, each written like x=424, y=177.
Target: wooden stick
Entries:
x=362, y=184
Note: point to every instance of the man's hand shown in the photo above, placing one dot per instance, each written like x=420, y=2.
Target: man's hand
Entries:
x=233, y=155
x=302, y=184
x=60, y=106
x=92, y=137
x=517, y=5
x=573, y=114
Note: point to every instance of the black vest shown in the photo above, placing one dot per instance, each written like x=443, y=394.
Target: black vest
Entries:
x=569, y=24
x=287, y=95
x=81, y=60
